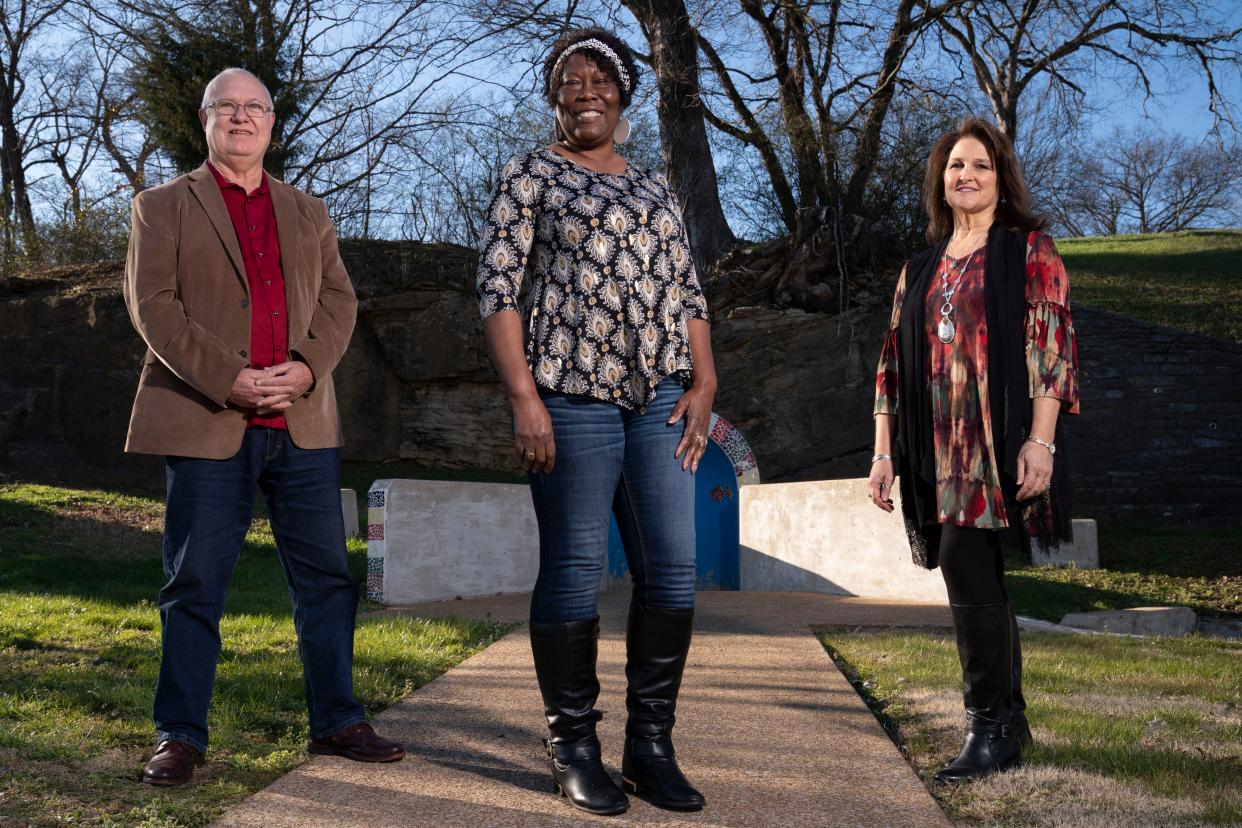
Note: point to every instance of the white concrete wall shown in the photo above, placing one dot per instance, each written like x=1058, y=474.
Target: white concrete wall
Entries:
x=434, y=540
x=349, y=512
x=1083, y=553
x=441, y=539
x=826, y=536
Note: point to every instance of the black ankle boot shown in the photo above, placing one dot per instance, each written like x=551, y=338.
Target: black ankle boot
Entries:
x=985, y=648
x=565, y=656
x=657, y=642
x=990, y=747
x=1020, y=726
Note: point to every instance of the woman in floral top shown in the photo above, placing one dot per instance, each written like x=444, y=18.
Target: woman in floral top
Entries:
x=611, y=396
x=977, y=365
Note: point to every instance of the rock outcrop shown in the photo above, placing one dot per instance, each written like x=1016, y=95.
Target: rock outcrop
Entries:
x=417, y=382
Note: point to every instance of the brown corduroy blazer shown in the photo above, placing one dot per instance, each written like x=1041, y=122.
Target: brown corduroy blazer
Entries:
x=189, y=299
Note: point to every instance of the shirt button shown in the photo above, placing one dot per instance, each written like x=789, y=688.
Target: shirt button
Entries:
x=268, y=283
x=243, y=352
x=275, y=313
x=260, y=255
x=253, y=228
x=245, y=303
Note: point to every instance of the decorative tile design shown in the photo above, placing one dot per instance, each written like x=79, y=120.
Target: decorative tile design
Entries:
x=376, y=515
x=735, y=447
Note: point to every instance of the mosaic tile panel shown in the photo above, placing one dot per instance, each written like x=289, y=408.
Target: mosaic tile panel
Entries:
x=735, y=447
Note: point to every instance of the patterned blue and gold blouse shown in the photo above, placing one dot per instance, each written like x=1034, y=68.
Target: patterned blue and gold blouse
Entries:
x=612, y=279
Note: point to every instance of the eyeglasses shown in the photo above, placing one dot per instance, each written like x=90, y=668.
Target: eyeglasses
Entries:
x=228, y=108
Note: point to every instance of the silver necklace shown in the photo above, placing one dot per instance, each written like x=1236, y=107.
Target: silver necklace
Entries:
x=947, y=330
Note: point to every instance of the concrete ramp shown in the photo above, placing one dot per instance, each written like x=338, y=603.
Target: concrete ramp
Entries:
x=768, y=729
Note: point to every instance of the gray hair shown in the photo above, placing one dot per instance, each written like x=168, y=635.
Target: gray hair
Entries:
x=235, y=70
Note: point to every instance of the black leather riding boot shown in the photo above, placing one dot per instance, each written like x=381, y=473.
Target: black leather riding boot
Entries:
x=657, y=642
x=565, y=655
x=985, y=647
x=1020, y=726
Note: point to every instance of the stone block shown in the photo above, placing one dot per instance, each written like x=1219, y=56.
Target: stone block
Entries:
x=826, y=536
x=349, y=512
x=435, y=540
x=1174, y=622
x=1220, y=628
x=1083, y=552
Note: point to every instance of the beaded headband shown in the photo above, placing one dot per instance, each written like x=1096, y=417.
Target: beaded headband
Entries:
x=594, y=45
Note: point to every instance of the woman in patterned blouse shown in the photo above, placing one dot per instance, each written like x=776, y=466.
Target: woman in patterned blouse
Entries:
x=978, y=363
x=611, y=396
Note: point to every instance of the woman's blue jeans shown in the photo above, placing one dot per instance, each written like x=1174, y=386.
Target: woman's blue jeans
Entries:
x=610, y=461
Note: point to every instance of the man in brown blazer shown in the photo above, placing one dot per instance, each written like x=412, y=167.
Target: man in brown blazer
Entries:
x=234, y=281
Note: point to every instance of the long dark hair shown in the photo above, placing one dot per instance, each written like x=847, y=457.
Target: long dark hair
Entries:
x=1014, y=208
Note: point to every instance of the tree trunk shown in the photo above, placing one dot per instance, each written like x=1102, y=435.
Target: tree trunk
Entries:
x=683, y=133
x=803, y=143
x=18, y=213
x=886, y=85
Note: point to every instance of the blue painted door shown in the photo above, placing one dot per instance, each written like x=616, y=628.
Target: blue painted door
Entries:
x=715, y=524
x=716, y=520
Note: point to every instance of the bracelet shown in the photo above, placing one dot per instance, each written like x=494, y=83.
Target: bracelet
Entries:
x=1052, y=447
x=875, y=458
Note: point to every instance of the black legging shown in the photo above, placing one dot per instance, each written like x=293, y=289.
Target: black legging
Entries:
x=973, y=565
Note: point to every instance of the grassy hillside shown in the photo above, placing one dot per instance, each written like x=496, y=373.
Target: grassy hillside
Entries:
x=1190, y=280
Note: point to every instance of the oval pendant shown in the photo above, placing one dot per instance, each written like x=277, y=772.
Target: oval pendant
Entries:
x=946, y=330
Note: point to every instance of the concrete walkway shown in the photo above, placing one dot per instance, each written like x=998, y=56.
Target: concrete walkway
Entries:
x=768, y=729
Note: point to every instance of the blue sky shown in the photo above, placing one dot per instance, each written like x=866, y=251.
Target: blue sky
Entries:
x=1180, y=105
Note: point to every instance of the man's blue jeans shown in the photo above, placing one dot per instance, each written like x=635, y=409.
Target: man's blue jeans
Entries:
x=613, y=461
x=206, y=520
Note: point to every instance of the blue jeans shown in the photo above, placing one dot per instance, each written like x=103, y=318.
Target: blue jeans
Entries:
x=610, y=461
x=206, y=519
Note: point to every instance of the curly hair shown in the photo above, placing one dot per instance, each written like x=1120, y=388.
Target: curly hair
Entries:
x=551, y=85
x=1013, y=209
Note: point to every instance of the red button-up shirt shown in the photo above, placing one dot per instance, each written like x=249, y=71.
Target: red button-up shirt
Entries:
x=254, y=222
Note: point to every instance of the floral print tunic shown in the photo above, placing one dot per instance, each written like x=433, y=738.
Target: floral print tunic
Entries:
x=968, y=489
x=612, y=279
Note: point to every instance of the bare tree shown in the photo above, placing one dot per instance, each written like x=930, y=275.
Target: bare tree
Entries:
x=1148, y=181
x=833, y=96
x=70, y=140
x=21, y=23
x=1051, y=46
x=367, y=76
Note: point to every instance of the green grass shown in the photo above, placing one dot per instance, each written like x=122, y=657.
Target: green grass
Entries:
x=79, y=654
x=1190, y=280
x=1127, y=731
x=1141, y=565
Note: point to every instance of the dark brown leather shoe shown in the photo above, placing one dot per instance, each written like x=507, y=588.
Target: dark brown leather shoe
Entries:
x=173, y=763
x=359, y=742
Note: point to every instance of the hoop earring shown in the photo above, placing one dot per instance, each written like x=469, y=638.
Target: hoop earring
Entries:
x=621, y=133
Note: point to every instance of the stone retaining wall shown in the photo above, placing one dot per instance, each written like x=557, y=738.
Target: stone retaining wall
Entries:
x=1159, y=437
x=1161, y=430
